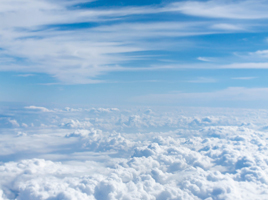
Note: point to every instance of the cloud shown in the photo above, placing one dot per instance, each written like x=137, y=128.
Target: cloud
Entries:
x=54, y=43
x=42, y=109
x=203, y=80
x=70, y=123
x=244, y=78
x=203, y=59
x=260, y=53
x=260, y=65
x=170, y=153
x=247, y=9
x=25, y=75
x=13, y=122
x=242, y=65
x=227, y=27
x=228, y=97
x=208, y=165
x=102, y=110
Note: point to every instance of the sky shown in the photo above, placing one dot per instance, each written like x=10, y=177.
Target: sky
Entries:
x=152, y=99
x=151, y=52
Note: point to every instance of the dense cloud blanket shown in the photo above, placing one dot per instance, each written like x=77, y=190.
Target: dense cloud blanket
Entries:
x=109, y=153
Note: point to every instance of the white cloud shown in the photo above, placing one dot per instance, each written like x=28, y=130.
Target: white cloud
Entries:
x=102, y=110
x=202, y=153
x=42, y=109
x=25, y=75
x=85, y=133
x=13, y=122
x=244, y=78
x=24, y=125
x=242, y=65
x=70, y=123
x=260, y=53
x=80, y=56
x=227, y=97
x=259, y=65
x=247, y=9
x=227, y=27
x=209, y=165
x=203, y=80
x=203, y=59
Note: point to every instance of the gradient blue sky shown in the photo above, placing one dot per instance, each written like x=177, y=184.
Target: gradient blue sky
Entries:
x=150, y=52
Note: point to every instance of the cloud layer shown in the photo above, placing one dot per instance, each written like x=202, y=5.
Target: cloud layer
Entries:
x=76, y=44
x=134, y=154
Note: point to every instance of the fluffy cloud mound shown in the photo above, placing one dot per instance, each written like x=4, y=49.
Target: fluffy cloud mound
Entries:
x=194, y=157
x=76, y=124
x=96, y=140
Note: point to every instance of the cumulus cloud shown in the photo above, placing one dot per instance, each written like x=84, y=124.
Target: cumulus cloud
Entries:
x=75, y=124
x=196, y=168
x=96, y=140
x=102, y=110
x=181, y=153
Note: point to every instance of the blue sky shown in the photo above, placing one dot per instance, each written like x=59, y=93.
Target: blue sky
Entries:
x=192, y=53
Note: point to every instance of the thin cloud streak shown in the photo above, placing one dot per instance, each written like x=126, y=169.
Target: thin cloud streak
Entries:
x=244, y=78
x=249, y=65
x=248, y=9
x=31, y=45
x=203, y=80
x=231, y=96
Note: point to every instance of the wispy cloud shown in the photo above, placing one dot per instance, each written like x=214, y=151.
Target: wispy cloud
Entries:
x=38, y=108
x=232, y=96
x=203, y=80
x=260, y=53
x=231, y=27
x=204, y=59
x=244, y=78
x=244, y=65
x=248, y=9
x=80, y=55
x=25, y=75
